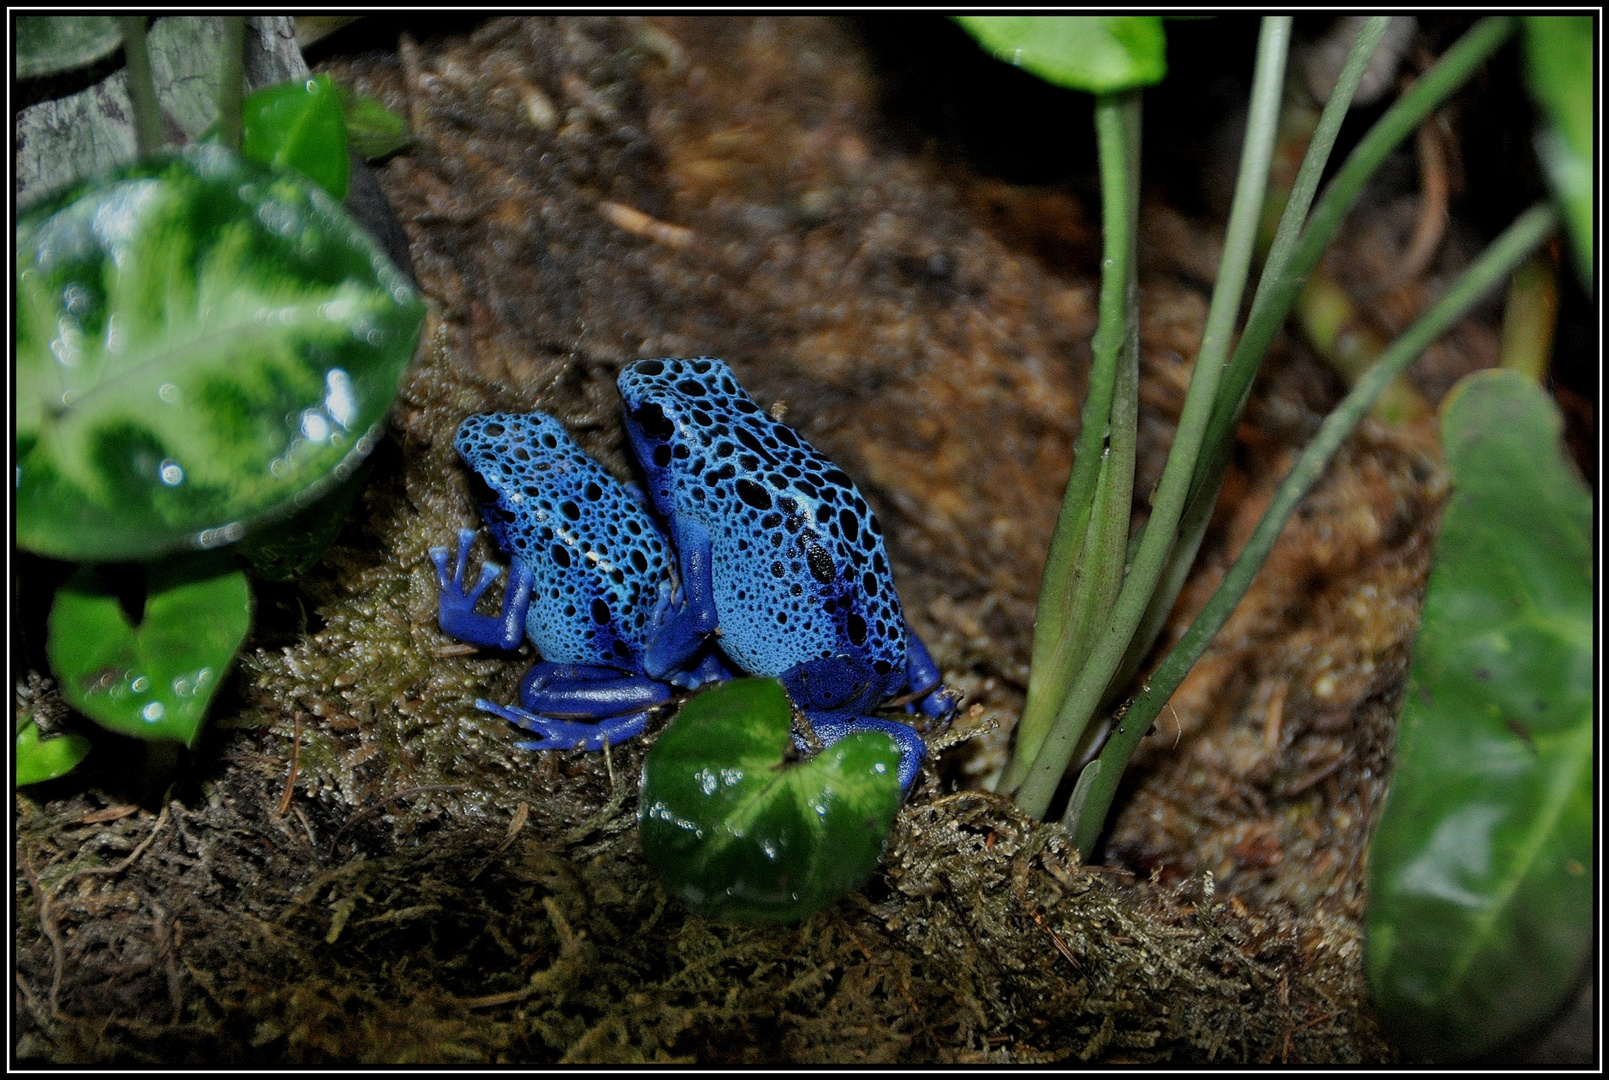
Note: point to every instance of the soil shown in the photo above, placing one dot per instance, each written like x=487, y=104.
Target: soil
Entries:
x=356, y=865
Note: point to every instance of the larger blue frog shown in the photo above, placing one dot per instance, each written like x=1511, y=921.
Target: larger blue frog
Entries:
x=780, y=557
x=589, y=572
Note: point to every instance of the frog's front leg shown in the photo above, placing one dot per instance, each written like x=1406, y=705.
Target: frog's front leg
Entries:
x=457, y=616
x=924, y=677
x=684, y=630
x=912, y=750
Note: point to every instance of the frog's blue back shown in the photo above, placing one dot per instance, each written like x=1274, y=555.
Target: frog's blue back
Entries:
x=797, y=561
x=597, y=558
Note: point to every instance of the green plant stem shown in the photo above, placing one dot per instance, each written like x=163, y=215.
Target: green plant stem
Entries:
x=1161, y=529
x=1083, y=569
x=1285, y=276
x=1282, y=283
x=231, y=80
x=1219, y=441
x=1521, y=238
x=141, y=90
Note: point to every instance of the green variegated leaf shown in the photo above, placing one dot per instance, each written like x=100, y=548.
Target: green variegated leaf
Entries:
x=49, y=44
x=736, y=834
x=201, y=343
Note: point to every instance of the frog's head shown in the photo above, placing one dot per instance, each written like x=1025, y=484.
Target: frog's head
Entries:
x=504, y=451
x=674, y=406
x=834, y=686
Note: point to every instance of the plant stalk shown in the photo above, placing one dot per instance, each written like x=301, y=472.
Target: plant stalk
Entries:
x=1521, y=238
x=1291, y=260
x=1083, y=569
x=231, y=81
x=1093, y=678
x=141, y=90
x=1220, y=440
x=1282, y=284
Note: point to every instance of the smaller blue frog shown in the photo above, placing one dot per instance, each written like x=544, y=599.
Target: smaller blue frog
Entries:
x=589, y=577
x=780, y=557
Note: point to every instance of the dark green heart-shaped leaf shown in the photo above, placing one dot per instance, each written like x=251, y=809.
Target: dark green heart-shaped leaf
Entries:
x=48, y=44
x=1099, y=54
x=1558, y=67
x=737, y=834
x=45, y=759
x=154, y=681
x=1481, y=867
x=299, y=124
x=201, y=343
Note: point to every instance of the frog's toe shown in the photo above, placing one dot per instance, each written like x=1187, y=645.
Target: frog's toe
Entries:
x=568, y=734
x=941, y=703
x=912, y=750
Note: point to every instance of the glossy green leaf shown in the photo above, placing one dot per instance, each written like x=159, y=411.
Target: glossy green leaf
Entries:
x=201, y=344
x=153, y=681
x=1558, y=67
x=50, y=44
x=40, y=759
x=1100, y=54
x=1481, y=866
x=737, y=834
x=287, y=549
x=299, y=124
x=374, y=130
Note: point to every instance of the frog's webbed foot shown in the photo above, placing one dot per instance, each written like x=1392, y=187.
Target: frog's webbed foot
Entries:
x=569, y=734
x=711, y=668
x=912, y=750
x=456, y=613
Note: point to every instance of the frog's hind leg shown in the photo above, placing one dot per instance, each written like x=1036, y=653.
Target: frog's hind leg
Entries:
x=569, y=734
x=588, y=691
x=581, y=706
x=939, y=700
x=912, y=750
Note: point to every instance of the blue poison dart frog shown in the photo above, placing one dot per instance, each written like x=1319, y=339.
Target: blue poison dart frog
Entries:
x=589, y=570
x=779, y=557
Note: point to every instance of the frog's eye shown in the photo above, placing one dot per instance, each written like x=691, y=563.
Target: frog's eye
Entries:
x=654, y=423
x=483, y=492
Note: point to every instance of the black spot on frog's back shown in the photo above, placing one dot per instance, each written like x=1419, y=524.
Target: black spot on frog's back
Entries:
x=820, y=562
x=753, y=494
